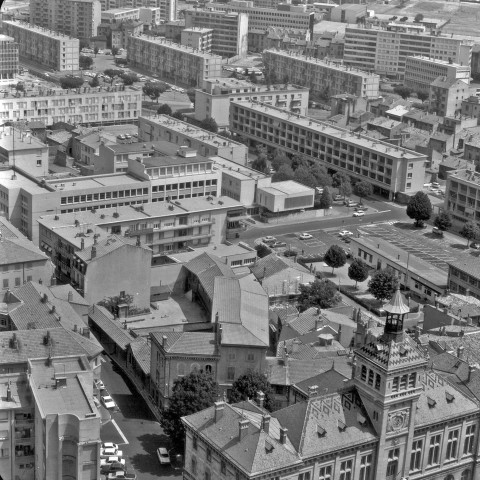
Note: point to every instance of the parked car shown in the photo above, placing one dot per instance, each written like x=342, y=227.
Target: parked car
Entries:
x=277, y=245
x=112, y=462
x=163, y=456
x=350, y=203
x=359, y=213
x=475, y=245
x=109, y=445
x=113, y=467
x=269, y=239
x=437, y=231
x=119, y=475
x=108, y=402
x=337, y=197
x=361, y=207
x=305, y=236
x=110, y=452
x=344, y=233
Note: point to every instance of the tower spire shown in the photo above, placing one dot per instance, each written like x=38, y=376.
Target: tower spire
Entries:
x=396, y=310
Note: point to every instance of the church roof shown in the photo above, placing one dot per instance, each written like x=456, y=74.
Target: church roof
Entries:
x=396, y=305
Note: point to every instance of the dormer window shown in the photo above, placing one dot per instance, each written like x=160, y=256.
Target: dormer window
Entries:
x=321, y=432
x=341, y=425
x=431, y=402
x=449, y=397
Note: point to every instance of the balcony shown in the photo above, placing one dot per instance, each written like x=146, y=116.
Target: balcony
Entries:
x=183, y=238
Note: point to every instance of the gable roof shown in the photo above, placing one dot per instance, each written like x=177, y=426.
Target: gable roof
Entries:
x=141, y=351
x=191, y=343
x=104, y=320
x=327, y=382
x=19, y=250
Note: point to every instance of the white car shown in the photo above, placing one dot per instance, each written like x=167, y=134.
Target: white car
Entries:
x=109, y=460
x=344, y=233
x=305, y=236
x=110, y=452
x=359, y=213
x=100, y=385
x=108, y=402
x=163, y=456
x=109, y=445
x=269, y=239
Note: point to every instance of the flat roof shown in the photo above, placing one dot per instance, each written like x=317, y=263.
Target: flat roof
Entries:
x=326, y=128
x=80, y=183
x=219, y=250
x=287, y=187
x=120, y=10
x=19, y=181
x=11, y=138
x=39, y=30
x=437, y=61
x=467, y=175
x=198, y=29
x=240, y=172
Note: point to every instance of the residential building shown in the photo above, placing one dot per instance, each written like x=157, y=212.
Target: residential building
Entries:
x=77, y=18
x=212, y=100
x=230, y=30
x=462, y=196
x=117, y=34
x=150, y=17
x=389, y=169
x=23, y=150
x=172, y=61
x=47, y=47
x=394, y=419
x=8, y=58
x=168, y=8
x=119, y=15
x=91, y=105
x=348, y=13
x=164, y=127
x=471, y=106
x=464, y=277
x=198, y=38
x=21, y=260
x=446, y=96
x=385, y=50
x=420, y=72
x=285, y=196
x=324, y=78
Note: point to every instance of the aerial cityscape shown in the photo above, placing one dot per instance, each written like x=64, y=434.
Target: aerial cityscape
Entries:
x=240, y=240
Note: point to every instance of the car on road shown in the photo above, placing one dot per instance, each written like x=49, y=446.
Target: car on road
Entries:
x=269, y=239
x=437, y=231
x=277, y=244
x=110, y=452
x=305, y=236
x=359, y=213
x=163, y=456
x=337, y=197
x=475, y=245
x=344, y=233
x=108, y=402
x=350, y=203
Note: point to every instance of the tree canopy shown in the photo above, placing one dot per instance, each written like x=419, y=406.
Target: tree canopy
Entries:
x=320, y=173
x=358, y=271
x=443, y=221
x=94, y=82
x=383, y=284
x=209, y=124
x=422, y=96
x=112, y=73
x=419, y=208
x=285, y=172
x=326, y=199
x=85, y=62
x=164, y=109
x=303, y=175
x=248, y=385
x=259, y=164
x=114, y=51
x=129, y=78
x=345, y=188
x=154, y=89
x=190, y=394
x=335, y=257
x=322, y=293
x=363, y=189
x=469, y=231
x=404, y=92
x=71, y=82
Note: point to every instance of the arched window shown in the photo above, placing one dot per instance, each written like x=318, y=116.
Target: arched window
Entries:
x=208, y=369
x=450, y=477
x=181, y=369
x=194, y=367
x=465, y=475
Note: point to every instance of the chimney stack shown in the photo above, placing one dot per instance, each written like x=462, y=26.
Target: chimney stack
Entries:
x=94, y=251
x=219, y=407
x=266, y=423
x=164, y=342
x=242, y=428
x=460, y=350
x=9, y=393
x=312, y=390
x=283, y=435
x=260, y=398
x=82, y=244
x=70, y=297
x=471, y=369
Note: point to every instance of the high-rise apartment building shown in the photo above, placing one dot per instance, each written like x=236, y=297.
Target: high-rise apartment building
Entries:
x=77, y=18
x=8, y=57
x=322, y=77
x=446, y=96
x=384, y=51
x=168, y=8
x=51, y=49
x=198, y=38
x=230, y=30
x=172, y=61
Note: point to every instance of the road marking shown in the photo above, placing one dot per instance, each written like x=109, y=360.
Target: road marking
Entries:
x=125, y=441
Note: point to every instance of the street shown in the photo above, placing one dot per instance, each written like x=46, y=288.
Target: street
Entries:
x=138, y=425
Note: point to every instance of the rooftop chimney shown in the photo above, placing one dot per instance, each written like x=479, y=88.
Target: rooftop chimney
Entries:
x=266, y=423
x=460, y=350
x=260, y=398
x=283, y=435
x=219, y=407
x=9, y=394
x=312, y=390
x=164, y=341
x=70, y=296
x=82, y=244
x=243, y=428
x=471, y=369
x=94, y=251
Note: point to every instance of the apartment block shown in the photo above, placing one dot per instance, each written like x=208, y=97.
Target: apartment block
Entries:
x=207, y=144
x=213, y=99
x=198, y=38
x=230, y=30
x=84, y=105
x=420, y=72
x=323, y=77
x=464, y=277
x=40, y=45
x=446, y=96
x=285, y=15
x=118, y=15
x=388, y=168
x=77, y=18
x=8, y=57
x=385, y=51
x=172, y=61
x=471, y=106
x=168, y=8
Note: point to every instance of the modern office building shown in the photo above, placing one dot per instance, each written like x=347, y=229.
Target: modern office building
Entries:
x=390, y=169
x=207, y=144
x=285, y=15
x=84, y=105
x=322, y=77
x=384, y=51
x=230, y=30
x=197, y=38
x=446, y=96
x=76, y=18
x=49, y=48
x=464, y=277
x=172, y=61
x=212, y=100
x=8, y=58
x=420, y=72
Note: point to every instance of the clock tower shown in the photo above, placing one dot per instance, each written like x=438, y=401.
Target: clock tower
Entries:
x=388, y=379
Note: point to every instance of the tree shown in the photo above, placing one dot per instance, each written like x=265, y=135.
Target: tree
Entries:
x=95, y=50
x=262, y=250
x=383, y=284
x=112, y=73
x=321, y=175
x=335, y=257
x=85, y=62
x=363, y=189
x=404, y=92
x=154, y=89
x=178, y=115
x=322, y=293
x=83, y=44
x=326, y=199
x=114, y=51
x=422, y=96
x=94, y=82
x=129, y=78
x=302, y=175
x=259, y=164
x=418, y=18
x=469, y=231
x=279, y=158
x=71, y=82
x=299, y=161
x=339, y=178
x=358, y=271
x=443, y=221
x=345, y=189
x=190, y=394
x=209, y=124
x=164, y=109
x=248, y=385
x=191, y=94
x=253, y=77
x=285, y=172
x=419, y=208
x=20, y=87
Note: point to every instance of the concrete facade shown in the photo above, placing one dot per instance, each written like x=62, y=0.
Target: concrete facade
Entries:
x=446, y=96
x=8, y=57
x=285, y=196
x=198, y=38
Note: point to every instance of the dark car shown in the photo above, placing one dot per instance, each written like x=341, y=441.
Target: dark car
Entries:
x=112, y=467
x=475, y=245
x=290, y=253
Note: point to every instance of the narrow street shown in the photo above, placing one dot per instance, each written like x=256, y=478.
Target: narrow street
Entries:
x=138, y=425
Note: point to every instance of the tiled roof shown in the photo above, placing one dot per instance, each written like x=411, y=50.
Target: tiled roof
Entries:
x=19, y=250
x=104, y=320
x=61, y=136
x=327, y=382
x=191, y=343
x=257, y=452
x=471, y=266
x=309, y=346
x=63, y=291
x=141, y=351
x=466, y=305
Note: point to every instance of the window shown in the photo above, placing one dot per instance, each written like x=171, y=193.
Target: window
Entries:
x=223, y=467
x=370, y=377
x=469, y=440
x=231, y=374
x=416, y=458
x=452, y=444
x=5, y=283
x=326, y=473
x=392, y=462
x=304, y=476
x=194, y=465
x=232, y=356
x=17, y=281
x=208, y=369
x=377, y=381
x=181, y=369
x=250, y=357
x=366, y=467
x=194, y=443
x=364, y=373
x=434, y=450
x=346, y=470
x=412, y=380
x=209, y=455
x=395, y=384
x=465, y=475
x=39, y=163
